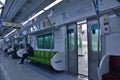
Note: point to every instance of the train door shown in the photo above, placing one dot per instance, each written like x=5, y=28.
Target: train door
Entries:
x=93, y=53
x=82, y=49
x=72, y=49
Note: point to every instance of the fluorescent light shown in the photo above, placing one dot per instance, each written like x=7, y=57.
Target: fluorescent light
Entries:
x=1, y=5
x=81, y=22
x=40, y=12
x=10, y=33
x=31, y=18
x=3, y=1
x=0, y=11
x=52, y=4
x=25, y=22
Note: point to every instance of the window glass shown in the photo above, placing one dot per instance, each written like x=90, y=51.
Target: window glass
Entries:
x=45, y=41
x=40, y=42
x=71, y=40
x=94, y=32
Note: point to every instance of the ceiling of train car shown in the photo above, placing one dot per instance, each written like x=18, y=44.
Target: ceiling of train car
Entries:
x=20, y=10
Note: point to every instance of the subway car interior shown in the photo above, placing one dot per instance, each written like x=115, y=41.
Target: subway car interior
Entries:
x=59, y=39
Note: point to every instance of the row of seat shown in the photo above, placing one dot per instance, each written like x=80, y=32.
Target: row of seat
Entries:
x=43, y=57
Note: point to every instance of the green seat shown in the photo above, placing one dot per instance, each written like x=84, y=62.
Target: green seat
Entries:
x=42, y=57
x=36, y=53
x=52, y=54
x=47, y=54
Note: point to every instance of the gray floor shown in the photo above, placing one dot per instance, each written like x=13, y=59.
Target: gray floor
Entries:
x=83, y=64
x=2, y=77
x=14, y=71
x=83, y=60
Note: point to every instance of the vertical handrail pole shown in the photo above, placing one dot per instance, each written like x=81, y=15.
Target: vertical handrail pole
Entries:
x=98, y=19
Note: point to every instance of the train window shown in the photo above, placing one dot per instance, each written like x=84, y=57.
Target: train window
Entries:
x=71, y=40
x=94, y=35
x=95, y=41
x=40, y=42
x=45, y=41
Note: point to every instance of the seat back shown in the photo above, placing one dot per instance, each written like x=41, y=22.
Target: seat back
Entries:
x=114, y=64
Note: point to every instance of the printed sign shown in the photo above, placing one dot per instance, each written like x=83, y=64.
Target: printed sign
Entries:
x=106, y=24
x=15, y=25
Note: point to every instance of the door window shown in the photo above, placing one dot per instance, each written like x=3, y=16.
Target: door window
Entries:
x=94, y=32
x=71, y=40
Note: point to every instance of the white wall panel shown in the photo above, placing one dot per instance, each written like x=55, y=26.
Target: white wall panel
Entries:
x=71, y=13
x=106, y=4
x=110, y=40
x=59, y=40
x=115, y=24
x=113, y=43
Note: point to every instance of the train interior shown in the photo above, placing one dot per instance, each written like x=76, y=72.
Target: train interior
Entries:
x=71, y=39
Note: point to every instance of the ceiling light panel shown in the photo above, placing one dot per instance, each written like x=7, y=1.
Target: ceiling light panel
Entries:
x=52, y=4
x=3, y=1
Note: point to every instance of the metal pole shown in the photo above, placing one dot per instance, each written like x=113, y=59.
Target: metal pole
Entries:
x=98, y=19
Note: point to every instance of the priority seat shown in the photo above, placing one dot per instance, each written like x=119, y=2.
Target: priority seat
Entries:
x=114, y=68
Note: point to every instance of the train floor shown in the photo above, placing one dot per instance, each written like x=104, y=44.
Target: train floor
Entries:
x=83, y=64
x=13, y=71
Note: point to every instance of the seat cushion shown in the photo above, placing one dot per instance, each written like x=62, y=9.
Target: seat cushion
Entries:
x=109, y=76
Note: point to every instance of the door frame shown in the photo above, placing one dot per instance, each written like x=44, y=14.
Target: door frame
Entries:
x=74, y=27
x=81, y=23
x=93, y=56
